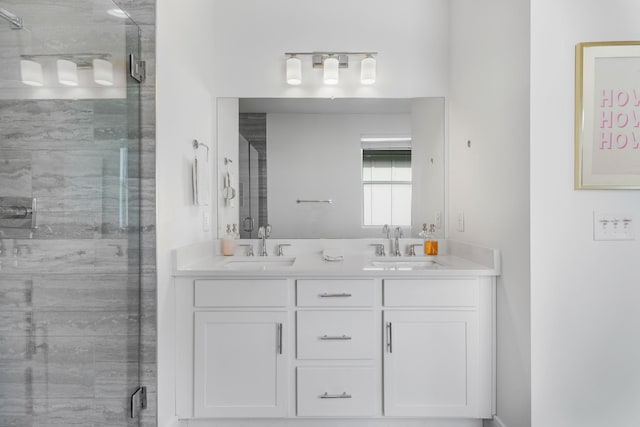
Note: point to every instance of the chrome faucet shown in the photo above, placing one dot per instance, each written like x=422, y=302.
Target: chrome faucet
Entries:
x=397, y=234
x=386, y=230
x=263, y=234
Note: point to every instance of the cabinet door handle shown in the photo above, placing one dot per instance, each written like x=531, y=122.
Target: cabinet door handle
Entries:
x=335, y=337
x=389, y=338
x=340, y=295
x=279, y=338
x=335, y=396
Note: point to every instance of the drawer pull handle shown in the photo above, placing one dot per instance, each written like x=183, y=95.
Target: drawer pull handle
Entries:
x=335, y=338
x=340, y=295
x=335, y=396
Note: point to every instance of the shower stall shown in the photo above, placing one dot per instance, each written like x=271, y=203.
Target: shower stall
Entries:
x=69, y=214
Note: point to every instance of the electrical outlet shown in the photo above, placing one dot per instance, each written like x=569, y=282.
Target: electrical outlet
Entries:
x=438, y=219
x=613, y=226
x=461, y=221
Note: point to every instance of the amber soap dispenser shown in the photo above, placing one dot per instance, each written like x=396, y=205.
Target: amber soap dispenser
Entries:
x=430, y=242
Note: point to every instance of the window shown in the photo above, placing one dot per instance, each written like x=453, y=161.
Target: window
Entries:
x=386, y=186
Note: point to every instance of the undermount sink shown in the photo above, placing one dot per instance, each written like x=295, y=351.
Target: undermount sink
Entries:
x=259, y=263
x=402, y=263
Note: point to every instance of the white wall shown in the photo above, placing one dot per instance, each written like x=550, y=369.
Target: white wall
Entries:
x=489, y=181
x=228, y=136
x=585, y=295
x=319, y=157
x=184, y=113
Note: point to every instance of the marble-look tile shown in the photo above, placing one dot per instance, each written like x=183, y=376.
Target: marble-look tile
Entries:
x=98, y=292
x=15, y=173
x=16, y=293
x=86, y=323
x=118, y=349
x=114, y=379
x=46, y=125
x=16, y=323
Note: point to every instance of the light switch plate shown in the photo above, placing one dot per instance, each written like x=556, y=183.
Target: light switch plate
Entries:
x=206, y=221
x=438, y=219
x=461, y=221
x=613, y=226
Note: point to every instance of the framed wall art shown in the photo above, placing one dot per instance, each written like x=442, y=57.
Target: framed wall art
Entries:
x=607, y=115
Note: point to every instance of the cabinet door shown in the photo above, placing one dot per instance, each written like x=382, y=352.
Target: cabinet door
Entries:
x=430, y=363
x=240, y=364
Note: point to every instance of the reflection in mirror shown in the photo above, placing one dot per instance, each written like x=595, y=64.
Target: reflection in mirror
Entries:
x=343, y=168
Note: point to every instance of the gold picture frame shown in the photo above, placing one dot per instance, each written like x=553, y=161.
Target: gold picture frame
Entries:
x=607, y=115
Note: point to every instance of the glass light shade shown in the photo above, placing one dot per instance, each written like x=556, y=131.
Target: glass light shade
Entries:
x=103, y=72
x=331, y=66
x=67, y=72
x=368, y=71
x=294, y=71
x=31, y=73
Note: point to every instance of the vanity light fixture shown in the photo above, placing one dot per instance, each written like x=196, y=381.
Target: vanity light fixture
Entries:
x=331, y=66
x=102, y=72
x=294, y=71
x=67, y=72
x=31, y=72
x=368, y=70
x=330, y=63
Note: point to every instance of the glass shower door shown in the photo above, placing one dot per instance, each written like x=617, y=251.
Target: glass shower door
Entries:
x=69, y=214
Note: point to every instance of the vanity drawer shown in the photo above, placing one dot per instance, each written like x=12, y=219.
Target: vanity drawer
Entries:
x=335, y=334
x=336, y=392
x=431, y=293
x=241, y=293
x=334, y=293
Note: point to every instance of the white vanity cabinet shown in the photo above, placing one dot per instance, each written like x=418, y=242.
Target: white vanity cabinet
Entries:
x=434, y=362
x=386, y=347
x=240, y=364
x=239, y=331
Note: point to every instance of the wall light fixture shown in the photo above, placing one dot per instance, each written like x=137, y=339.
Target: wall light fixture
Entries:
x=67, y=72
x=102, y=72
x=331, y=63
x=31, y=72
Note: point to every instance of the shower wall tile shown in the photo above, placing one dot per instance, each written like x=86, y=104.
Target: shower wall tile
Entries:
x=113, y=379
x=85, y=324
x=16, y=293
x=115, y=349
x=15, y=323
x=46, y=125
x=15, y=173
x=99, y=292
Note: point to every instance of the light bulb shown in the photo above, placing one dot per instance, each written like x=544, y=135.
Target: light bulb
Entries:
x=331, y=66
x=31, y=73
x=294, y=71
x=67, y=72
x=368, y=71
x=103, y=72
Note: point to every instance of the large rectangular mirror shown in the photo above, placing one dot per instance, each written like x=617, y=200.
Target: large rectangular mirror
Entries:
x=331, y=168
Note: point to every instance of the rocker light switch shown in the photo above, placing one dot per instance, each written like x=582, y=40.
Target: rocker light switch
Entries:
x=612, y=226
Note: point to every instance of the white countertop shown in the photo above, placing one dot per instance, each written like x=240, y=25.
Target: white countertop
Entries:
x=457, y=259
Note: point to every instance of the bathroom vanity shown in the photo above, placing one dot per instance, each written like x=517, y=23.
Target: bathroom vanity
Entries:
x=382, y=338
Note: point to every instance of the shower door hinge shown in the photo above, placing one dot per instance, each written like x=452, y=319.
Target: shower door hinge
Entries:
x=138, y=401
x=137, y=69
